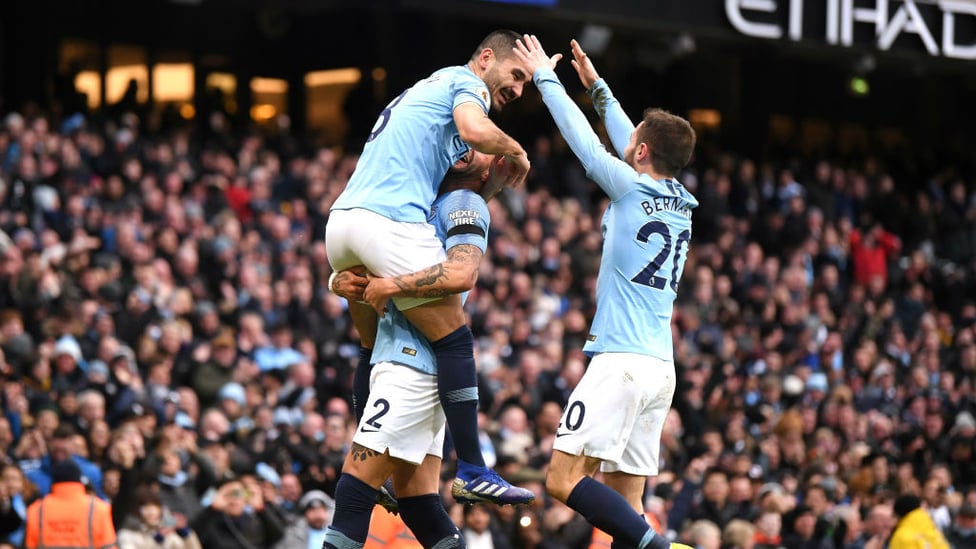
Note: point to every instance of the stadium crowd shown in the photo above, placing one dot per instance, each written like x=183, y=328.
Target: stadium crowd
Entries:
x=164, y=318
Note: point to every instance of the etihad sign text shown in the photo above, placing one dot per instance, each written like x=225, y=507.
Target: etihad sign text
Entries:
x=890, y=19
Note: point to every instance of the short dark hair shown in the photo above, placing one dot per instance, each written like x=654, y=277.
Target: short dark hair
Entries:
x=502, y=42
x=64, y=431
x=670, y=138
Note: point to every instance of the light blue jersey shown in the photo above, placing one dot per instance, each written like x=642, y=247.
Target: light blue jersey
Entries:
x=411, y=147
x=646, y=230
x=460, y=217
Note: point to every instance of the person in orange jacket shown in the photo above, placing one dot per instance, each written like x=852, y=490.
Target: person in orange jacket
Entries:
x=68, y=517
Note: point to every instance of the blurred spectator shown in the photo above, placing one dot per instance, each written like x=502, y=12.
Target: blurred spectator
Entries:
x=235, y=518
x=153, y=525
x=739, y=534
x=309, y=530
x=962, y=533
x=703, y=534
x=479, y=529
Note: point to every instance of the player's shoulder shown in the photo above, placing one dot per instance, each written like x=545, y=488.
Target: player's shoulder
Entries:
x=461, y=199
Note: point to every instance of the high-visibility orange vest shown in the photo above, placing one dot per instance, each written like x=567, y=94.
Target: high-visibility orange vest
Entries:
x=387, y=531
x=68, y=518
x=600, y=539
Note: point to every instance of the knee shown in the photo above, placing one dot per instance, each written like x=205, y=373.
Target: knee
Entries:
x=559, y=484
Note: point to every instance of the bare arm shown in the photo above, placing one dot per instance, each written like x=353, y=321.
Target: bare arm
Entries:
x=456, y=274
x=477, y=130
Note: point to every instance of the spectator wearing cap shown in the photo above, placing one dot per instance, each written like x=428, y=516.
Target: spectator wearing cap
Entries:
x=309, y=531
x=232, y=401
x=962, y=533
x=68, y=517
x=69, y=373
x=915, y=527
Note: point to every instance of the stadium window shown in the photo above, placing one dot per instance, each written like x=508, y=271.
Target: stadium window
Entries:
x=326, y=91
x=126, y=67
x=705, y=119
x=90, y=84
x=221, y=87
x=173, y=82
x=269, y=98
x=78, y=69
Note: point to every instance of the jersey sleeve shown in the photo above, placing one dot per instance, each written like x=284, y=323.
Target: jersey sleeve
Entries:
x=619, y=127
x=464, y=219
x=468, y=88
x=613, y=175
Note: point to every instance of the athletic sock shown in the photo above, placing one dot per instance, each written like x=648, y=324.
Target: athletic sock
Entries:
x=609, y=511
x=354, y=501
x=457, y=384
x=430, y=523
x=360, y=382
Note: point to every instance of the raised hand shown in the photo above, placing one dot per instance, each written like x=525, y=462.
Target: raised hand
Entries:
x=519, y=169
x=499, y=172
x=584, y=67
x=529, y=52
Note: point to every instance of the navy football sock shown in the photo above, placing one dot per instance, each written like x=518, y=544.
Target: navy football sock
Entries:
x=609, y=511
x=354, y=501
x=457, y=384
x=430, y=523
x=360, y=382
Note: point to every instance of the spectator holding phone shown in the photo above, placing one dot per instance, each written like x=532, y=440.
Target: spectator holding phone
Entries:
x=237, y=519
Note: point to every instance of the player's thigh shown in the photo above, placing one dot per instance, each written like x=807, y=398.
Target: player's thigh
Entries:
x=369, y=466
x=437, y=319
x=605, y=406
x=386, y=247
x=365, y=319
x=642, y=452
x=417, y=480
x=403, y=415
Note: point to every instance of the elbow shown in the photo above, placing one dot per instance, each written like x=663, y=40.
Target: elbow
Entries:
x=464, y=281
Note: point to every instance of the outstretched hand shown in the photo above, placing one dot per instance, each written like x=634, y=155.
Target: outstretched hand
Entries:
x=584, y=67
x=529, y=52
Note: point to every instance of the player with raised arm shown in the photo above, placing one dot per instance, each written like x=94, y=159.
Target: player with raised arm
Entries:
x=614, y=417
x=380, y=221
x=402, y=430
